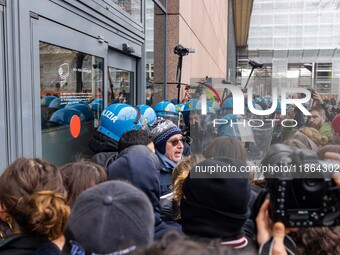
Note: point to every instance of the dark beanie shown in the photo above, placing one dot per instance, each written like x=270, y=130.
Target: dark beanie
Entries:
x=215, y=207
x=110, y=218
x=162, y=131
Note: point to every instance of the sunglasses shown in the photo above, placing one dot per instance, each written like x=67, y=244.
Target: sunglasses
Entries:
x=175, y=142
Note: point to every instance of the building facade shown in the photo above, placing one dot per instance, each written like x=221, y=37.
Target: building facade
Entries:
x=63, y=61
x=297, y=41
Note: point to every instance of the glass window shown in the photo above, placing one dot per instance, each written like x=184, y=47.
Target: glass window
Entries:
x=281, y=19
x=3, y=111
x=71, y=91
x=295, y=42
x=132, y=7
x=121, y=87
x=295, y=31
x=155, y=50
x=281, y=30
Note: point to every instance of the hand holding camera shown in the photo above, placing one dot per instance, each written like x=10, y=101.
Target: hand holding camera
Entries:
x=305, y=196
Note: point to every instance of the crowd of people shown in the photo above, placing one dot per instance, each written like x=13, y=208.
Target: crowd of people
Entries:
x=140, y=193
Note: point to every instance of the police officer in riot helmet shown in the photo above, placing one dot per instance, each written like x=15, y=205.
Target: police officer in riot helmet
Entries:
x=115, y=120
x=198, y=126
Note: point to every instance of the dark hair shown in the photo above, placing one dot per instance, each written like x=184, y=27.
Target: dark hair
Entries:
x=33, y=194
x=319, y=109
x=295, y=144
x=135, y=137
x=79, y=176
x=317, y=241
x=174, y=244
x=225, y=146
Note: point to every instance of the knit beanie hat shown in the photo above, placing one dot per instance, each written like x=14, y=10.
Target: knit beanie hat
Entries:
x=110, y=217
x=336, y=124
x=162, y=131
x=215, y=207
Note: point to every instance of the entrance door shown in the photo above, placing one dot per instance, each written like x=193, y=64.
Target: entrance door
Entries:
x=121, y=78
x=3, y=101
x=70, y=87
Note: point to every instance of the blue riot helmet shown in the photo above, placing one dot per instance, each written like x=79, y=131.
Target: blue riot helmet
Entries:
x=189, y=111
x=215, y=106
x=96, y=107
x=116, y=119
x=46, y=111
x=235, y=126
x=46, y=100
x=192, y=113
x=278, y=107
x=166, y=110
x=97, y=100
x=148, y=114
x=227, y=106
x=174, y=101
x=63, y=116
x=179, y=107
x=57, y=103
x=84, y=109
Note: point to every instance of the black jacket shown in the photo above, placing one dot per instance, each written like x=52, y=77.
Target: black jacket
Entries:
x=28, y=245
x=138, y=165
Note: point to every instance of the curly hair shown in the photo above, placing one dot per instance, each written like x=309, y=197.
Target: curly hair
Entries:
x=318, y=241
x=32, y=193
x=179, y=174
x=314, y=135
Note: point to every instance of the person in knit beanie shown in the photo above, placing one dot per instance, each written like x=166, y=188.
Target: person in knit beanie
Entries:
x=169, y=145
x=216, y=206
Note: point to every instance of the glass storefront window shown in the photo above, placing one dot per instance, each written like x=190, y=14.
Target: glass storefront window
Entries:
x=132, y=7
x=155, y=48
x=120, y=82
x=71, y=91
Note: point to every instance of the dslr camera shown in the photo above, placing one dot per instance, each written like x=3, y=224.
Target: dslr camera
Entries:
x=302, y=191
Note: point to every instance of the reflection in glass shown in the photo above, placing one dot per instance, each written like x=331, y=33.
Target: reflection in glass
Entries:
x=71, y=83
x=132, y=7
x=155, y=47
x=120, y=86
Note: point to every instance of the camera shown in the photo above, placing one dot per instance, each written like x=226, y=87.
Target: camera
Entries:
x=127, y=48
x=255, y=64
x=302, y=192
x=182, y=51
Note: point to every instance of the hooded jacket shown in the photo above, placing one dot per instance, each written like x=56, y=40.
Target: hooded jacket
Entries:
x=138, y=165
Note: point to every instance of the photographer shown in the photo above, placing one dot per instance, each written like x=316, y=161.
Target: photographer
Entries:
x=272, y=238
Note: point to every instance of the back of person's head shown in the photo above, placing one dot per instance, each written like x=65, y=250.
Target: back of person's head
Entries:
x=215, y=206
x=112, y=217
x=180, y=172
x=135, y=137
x=33, y=196
x=295, y=144
x=317, y=241
x=305, y=140
x=79, y=176
x=314, y=135
x=225, y=146
x=174, y=244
